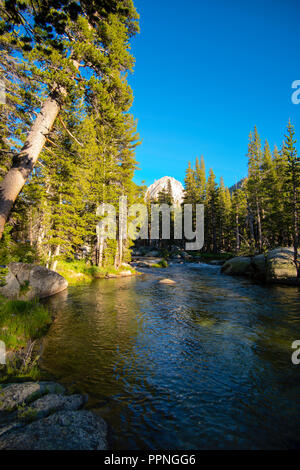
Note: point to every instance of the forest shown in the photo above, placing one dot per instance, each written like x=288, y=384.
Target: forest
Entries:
x=258, y=213
x=67, y=137
x=68, y=144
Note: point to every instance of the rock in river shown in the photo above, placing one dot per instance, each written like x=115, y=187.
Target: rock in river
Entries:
x=167, y=281
x=277, y=266
x=237, y=266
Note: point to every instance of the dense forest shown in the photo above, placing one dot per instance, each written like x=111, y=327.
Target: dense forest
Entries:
x=67, y=139
x=258, y=213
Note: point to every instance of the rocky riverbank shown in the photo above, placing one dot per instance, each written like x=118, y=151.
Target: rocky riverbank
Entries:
x=275, y=267
x=41, y=416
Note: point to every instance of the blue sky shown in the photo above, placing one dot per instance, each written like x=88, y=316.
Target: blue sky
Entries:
x=207, y=72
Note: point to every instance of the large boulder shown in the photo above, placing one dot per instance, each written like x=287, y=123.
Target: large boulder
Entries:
x=64, y=430
x=28, y=281
x=40, y=416
x=15, y=395
x=281, y=266
x=277, y=266
x=241, y=265
x=259, y=265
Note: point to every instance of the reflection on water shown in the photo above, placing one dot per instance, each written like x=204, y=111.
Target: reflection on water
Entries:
x=202, y=364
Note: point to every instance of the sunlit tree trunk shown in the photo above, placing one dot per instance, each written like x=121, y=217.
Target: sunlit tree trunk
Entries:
x=25, y=161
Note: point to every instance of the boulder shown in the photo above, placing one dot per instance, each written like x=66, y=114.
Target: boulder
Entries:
x=240, y=265
x=281, y=266
x=125, y=273
x=167, y=281
x=15, y=395
x=125, y=265
x=277, y=266
x=52, y=402
x=39, y=416
x=65, y=430
x=152, y=254
x=28, y=281
x=217, y=262
x=259, y=267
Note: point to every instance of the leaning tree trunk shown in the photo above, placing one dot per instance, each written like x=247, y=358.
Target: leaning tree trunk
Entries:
x=25, y=161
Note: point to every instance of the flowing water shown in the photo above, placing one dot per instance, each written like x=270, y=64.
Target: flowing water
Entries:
x=202, y=364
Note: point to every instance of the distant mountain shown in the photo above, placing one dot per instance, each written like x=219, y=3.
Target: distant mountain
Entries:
x=155, y=188
x=238, y=185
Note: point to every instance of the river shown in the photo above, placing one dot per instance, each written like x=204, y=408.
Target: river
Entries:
x=202, y=364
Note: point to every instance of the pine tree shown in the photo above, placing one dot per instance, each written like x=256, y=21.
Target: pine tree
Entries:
x=200, y=180
x=289, y=151
x=190, y=195
x=211, y=212
x=55, y=44
x=254, y=187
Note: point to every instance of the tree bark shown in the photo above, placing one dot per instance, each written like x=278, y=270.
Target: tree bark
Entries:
x=295, y=217
x=25, y=161
x=55, y=260
x=259, y=227
x=237, y=231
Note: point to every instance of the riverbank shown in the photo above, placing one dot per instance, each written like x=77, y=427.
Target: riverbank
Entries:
x=79, y=272
x=38, y=415
x=42, y=416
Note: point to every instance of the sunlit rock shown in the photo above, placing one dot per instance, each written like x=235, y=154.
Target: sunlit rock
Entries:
x=28, y=281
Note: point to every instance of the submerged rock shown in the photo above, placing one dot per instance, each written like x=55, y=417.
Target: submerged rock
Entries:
x=28, y=281
x=167, y=281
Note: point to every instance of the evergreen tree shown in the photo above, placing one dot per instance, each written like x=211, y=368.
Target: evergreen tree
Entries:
x=254, y=187
x=211, y=212
x=56, y=44
x=190, y=195
x=289, y=151
x=200, y=180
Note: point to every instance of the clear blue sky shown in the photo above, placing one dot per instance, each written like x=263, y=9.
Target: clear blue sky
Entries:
x=207, y=72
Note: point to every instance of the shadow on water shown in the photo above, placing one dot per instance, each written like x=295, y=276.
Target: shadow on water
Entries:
x=201, y=364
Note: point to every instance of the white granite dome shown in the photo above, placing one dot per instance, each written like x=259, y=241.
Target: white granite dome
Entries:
x=155, y=188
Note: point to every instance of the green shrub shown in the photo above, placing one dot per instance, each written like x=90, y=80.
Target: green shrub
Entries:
x=161, y=264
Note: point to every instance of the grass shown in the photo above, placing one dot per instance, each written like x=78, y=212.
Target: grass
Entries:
x=21, y=324
x=78, y=271
x=22, y=321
